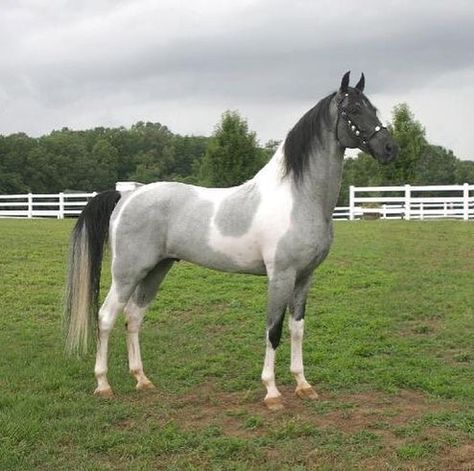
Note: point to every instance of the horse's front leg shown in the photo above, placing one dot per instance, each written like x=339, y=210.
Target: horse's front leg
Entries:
x=296, y=323
x=280, y=289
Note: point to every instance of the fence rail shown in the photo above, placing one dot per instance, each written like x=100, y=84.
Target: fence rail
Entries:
x=384, y=202
x=30, y=205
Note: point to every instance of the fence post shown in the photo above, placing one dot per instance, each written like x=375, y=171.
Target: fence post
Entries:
x=421, y=211
x=465, y=201
x=30, y=205
x=351, y=203
x=61, y=206
x=407, y=202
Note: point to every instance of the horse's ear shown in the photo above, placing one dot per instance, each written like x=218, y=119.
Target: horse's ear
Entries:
x=345, y=82
x=361, y=83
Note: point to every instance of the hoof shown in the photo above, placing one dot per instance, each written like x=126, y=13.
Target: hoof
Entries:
x=274, y=403
x=144, y=385
x=306, y=393
x=106, y=393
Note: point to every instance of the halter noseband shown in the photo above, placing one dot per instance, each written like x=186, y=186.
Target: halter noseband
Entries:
x=364, y=140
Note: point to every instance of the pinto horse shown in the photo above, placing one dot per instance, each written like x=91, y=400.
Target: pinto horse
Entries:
x=277, y=224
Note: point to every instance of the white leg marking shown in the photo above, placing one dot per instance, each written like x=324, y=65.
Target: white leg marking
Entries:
x=134, y=316
x=273, y=397
x=297, y=330
x=107, y=316
x=303, y=388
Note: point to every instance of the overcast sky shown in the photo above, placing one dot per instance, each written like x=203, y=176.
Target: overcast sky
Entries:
x=87, y=63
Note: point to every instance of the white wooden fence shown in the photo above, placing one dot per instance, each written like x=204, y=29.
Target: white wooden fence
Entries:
x=412, y=202
x=43, y=205
x=384, y=202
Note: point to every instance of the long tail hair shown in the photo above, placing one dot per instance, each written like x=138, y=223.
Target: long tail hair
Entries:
x=85, y=262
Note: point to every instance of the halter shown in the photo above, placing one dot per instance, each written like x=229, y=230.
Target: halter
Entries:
x=363, y=139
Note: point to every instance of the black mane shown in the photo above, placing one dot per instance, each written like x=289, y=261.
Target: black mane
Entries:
x=305, y=135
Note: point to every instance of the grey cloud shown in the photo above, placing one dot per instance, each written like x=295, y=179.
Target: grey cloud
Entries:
x=70, y=54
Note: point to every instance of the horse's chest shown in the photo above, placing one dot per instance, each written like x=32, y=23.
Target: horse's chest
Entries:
x=304, y=247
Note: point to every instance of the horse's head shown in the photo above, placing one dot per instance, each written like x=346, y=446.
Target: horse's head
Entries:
x=357, y=124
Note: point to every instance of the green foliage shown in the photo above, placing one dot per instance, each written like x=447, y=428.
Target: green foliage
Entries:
x=410, y=136
x=436, y=166
x=105, y=156
x=464, y=171
x=232, y=155
x=95, y=159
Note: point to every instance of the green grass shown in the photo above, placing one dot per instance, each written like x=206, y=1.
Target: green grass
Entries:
x=389, y=346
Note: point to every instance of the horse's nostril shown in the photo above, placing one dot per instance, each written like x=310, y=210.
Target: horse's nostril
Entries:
x=391, y=150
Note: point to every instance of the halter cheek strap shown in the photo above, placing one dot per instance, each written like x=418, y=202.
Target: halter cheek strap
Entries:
x=364, y=139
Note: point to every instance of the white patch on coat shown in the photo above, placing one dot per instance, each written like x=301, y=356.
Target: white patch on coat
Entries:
x=271, y=222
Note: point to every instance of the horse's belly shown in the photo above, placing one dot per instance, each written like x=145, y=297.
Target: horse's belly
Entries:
x=213, y=250
x=236, y=254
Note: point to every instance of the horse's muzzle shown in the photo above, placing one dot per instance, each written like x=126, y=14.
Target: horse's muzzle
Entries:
x=390, y=151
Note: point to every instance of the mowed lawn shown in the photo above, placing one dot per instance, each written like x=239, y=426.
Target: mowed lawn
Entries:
x=389, y=346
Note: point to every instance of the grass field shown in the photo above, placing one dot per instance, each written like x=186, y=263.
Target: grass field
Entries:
x=389, y=346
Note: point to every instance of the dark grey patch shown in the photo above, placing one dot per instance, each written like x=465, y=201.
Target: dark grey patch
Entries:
x=148, y=287
x=274, y=332
x=280, y=290
x=238, y=210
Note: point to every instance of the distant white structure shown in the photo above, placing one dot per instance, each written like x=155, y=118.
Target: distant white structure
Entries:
x=127, y=186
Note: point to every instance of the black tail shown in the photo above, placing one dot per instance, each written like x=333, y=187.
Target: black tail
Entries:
x=85, y=262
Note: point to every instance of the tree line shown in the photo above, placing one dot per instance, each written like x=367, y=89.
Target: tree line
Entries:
x=94, y=159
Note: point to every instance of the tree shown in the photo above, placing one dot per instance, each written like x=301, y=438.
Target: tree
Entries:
x=270, y=148
x=189, y=151
x=105, y=158
x=410, y=136
x=232, y=154
x=153, y=152
x=436, y=166
x=464, y=171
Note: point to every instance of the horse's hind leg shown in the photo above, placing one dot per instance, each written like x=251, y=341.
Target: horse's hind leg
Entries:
x=107, y=316
x=134, y=312
x=296, y=323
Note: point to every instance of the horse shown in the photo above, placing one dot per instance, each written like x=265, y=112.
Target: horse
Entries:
x=278, y=224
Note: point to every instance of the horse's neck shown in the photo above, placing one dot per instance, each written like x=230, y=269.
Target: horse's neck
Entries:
x=322, y=182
